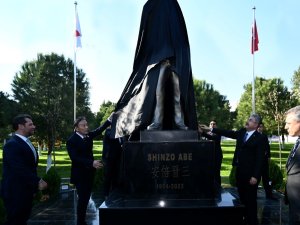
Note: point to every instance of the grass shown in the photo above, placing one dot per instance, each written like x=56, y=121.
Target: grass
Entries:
x=62, y=160
x=63, y=163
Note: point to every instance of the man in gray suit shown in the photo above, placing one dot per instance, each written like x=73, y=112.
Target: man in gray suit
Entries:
x=292, y=125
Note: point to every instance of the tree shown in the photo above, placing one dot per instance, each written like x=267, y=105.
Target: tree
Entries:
x=8, y=109
x=44, y=89
x=106, y=108
x=296, y=86
x=211, y=105
x=265, y=103
x=272, y=101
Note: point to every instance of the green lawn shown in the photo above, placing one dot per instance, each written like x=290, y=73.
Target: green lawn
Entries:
x=63, y=161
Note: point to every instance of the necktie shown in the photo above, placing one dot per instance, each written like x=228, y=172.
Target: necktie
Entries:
x=32, y=148
x=292, y=154
x=245, y=137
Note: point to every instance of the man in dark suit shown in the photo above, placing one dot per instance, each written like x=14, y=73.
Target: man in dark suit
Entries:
x=265, y=169
x=218, y=151
x=20, y=181
x=248, y=159
x=292, y=125
x=80, y=150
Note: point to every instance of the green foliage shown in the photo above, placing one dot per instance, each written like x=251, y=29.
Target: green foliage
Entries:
x=106, y=108
x=211, y=105
x=44, y=89
x=8, y=109
x=232, y=179
x=2, y=212
x=296, y=86
x=272, y=99
x=53, y=180
x=276, y=175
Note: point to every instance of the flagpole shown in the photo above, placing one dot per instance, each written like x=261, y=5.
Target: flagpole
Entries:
x=253, y=62
x=75, y=72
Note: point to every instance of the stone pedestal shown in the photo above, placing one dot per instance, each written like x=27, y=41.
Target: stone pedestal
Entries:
x=169, y=169
x=168, y=179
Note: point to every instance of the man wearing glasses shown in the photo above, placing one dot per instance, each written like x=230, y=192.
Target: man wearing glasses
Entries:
x=248, y=159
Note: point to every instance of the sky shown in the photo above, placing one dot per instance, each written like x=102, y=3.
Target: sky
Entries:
x=219, y=34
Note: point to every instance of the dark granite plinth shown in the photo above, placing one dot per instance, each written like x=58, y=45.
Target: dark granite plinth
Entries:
x=223, y=210
x=168, y=178
x=169, y=169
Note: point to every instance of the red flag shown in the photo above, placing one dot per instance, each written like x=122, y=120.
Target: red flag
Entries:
x=254, y=40
x=77, y=32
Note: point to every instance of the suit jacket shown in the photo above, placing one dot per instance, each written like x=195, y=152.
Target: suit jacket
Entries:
x=293, y=186
x=293, y=167
x=249, y=155
x=19, y=169
x=80, y=151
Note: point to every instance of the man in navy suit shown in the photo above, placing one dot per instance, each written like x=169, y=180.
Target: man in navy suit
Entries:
x=80, y=150
x=20, y=181
x=248, y=159
x=292, y=125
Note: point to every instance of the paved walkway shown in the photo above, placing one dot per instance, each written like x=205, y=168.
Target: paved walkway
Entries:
x=62, y=210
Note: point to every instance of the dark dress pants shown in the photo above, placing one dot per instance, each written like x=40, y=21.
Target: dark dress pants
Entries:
x=293, y=189
x=18, y=208
x=266, y=178
x=248, y=195
x=84, y=190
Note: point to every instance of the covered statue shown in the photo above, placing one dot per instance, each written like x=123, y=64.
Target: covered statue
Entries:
x=159, y=93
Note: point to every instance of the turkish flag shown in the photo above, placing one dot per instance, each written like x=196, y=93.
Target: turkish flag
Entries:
x=254, y=40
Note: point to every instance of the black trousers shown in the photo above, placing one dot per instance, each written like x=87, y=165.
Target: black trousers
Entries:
x=266, y=178
x=84, y=190
x=18, y=208
x=248, y=195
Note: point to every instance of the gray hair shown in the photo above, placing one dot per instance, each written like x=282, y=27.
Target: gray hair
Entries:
x=257, y=118
x=296, y=111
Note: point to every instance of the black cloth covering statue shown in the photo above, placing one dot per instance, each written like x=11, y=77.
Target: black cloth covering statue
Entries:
x=162, y=38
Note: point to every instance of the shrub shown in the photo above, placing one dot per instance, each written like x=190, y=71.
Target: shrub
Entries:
x=53, y=180
x=276, y=175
